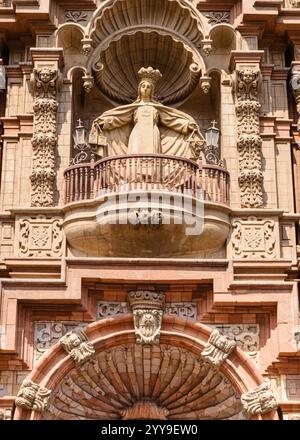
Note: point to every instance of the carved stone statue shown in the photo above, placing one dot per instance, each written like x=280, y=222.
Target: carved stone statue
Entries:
x=145, y=126
x=76, y=344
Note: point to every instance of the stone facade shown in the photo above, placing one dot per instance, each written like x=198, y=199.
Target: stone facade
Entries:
x=150, y=249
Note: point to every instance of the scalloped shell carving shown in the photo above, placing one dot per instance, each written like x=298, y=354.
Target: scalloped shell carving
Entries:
x=172, y=15
x=165, y=381
x=116, y=70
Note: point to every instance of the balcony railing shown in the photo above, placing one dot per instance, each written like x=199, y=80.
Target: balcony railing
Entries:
x=150, y=172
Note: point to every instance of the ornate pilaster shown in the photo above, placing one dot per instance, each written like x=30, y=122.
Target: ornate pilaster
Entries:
x=217, y=349
x=247, y=88
x=147, y=308
x=33, y=397
x=261, y=400
x=77, y=346
x=45, y=86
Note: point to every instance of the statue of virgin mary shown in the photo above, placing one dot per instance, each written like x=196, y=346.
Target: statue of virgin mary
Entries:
x=145, y=126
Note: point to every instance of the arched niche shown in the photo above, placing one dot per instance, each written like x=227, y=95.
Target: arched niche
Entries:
x=126, y=380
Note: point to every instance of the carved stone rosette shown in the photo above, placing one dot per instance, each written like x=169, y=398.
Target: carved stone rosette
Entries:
x=77, y=346
x=217, y=349
x=33, y=397
x=45, y=84
x=261, y=400
x=147, y=308
x=247, y=85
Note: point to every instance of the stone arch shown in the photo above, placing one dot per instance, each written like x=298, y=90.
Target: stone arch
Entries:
x=181, y=343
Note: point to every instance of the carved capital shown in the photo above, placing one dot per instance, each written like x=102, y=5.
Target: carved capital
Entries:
x=77, y=346
x=147, y=308
x=261, y=400
x=33, y=397
x=45, y=82
x=217, y=349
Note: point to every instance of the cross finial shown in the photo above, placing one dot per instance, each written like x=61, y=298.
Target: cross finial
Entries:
x=214, y=123
x=79, y=122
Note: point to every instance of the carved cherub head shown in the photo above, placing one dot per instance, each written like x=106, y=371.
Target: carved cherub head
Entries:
x=45, y=74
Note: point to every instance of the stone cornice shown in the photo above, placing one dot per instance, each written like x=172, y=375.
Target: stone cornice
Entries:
x=245, y=57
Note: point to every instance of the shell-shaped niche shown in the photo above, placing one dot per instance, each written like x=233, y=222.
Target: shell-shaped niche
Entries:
x=116, y=72
x=176, y=16
x=151, y=382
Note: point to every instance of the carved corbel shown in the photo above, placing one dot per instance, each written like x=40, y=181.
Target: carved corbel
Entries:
x=205, y=84
x=33, y=397
x=147, y=308
x=217, y=349
x=261, y=400
x=45, y=82
x=77, y=346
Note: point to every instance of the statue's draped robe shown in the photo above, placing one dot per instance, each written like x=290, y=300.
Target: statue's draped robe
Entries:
x=143, y=128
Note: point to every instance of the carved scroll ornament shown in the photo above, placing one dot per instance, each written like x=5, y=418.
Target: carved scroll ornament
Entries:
x=33, y=397
x=261, y=400
x=217, y=349
x=45, y=83
x=248, y=81
x=77, y=346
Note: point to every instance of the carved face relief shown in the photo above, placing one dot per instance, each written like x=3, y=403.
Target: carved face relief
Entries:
x=147, y=325
x=145, y=90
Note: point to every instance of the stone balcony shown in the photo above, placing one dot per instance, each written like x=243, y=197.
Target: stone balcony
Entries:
x=143, y=206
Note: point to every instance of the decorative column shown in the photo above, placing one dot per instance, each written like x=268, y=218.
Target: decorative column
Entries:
x=147, y=308
x=247, y=88
x=45, y=82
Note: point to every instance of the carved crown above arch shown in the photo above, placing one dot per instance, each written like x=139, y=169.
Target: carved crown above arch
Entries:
x=125, y=35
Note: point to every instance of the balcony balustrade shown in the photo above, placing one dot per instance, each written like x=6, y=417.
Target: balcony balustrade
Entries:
x=87, y=181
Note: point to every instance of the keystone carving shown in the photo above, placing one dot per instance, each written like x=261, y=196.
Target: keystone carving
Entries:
x=45, y=83
x=33, y=397
x=247, y=86
x=217, y=349
x=261, y=400
x=77, y=346
x=147, y=308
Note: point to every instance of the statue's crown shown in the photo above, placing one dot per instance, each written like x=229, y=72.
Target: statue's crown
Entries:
x=149, y=74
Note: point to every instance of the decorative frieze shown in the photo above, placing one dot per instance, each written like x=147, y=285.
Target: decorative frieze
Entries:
x=45, y=83
x=109, y=309
x=49, y=333
x=255, y=238
x=247, y=88
x=147, y=308
x=246, y=336
x=77, y=346
x=217, y=17
x=217, y=349
x=182, y=310
x=261, y=400
x=40, y=236
x=33, y=397
x=81, y=17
